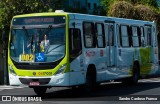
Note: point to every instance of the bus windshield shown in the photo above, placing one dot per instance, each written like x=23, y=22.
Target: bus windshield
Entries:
x=37, y=43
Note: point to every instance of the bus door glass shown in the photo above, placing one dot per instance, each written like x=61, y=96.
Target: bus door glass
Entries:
x=110, y=44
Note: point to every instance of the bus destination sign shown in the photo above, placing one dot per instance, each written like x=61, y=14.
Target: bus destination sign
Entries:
x=39, y=20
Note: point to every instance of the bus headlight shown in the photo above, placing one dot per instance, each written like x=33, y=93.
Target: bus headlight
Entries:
x=12, y=70
x=61, y=69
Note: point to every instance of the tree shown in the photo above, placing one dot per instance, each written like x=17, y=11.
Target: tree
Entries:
x=152, y=3
x=121, y=9
x=134, y=9
x=143, y=12
x=107, y=4
x=9, y=8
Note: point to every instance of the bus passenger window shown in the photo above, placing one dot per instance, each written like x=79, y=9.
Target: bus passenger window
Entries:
x=142, y=36
x=124, y=36
x=154, y=37
x=75, y=41
x=149, y=36
x=89, y=37
x=118, y=35
x=135, y=37
x=111, y=35
x=100, y=35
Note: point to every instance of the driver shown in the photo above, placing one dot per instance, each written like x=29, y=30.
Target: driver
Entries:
x=45, y=44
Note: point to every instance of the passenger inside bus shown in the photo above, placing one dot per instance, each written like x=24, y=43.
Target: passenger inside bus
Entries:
x=34, y=44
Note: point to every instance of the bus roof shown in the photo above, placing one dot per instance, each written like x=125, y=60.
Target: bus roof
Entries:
x=40, y=14
x=105, y=18
x=79, y=16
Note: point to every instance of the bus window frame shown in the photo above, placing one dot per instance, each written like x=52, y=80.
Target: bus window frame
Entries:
x=71, y=40
x=138, y=35
x=93, y=34
x=74, y=52
x=144, y=43
x=118, y=35
x=103, y=34
x=128, y=33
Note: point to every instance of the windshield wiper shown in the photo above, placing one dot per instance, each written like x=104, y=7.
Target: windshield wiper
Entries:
x=32, y=43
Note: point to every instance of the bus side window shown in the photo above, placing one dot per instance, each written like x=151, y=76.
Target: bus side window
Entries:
x=142, y=36
x=100, y=35
x=118, y=35
x=155, y=37
x=124, y=36
x=149, y=36
x=111, y=35
x=75, y=41
x=135, y=36
x=89, y=35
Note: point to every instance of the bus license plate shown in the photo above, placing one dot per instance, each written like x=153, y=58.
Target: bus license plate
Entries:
x=34, y=83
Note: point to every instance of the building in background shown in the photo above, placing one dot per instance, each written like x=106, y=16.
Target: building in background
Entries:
x=75, y=6
x=93, y=6
x=158, y=2
x=82, y=6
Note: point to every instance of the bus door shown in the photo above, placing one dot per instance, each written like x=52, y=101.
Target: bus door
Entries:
x=109, y=29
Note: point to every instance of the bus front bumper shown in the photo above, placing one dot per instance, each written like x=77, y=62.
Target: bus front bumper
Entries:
x=56, y=80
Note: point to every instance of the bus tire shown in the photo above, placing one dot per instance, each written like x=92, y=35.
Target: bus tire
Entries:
x=97, y=85
x=90, y=81
x=40, y=90
x=89, y=84
x=135, y=74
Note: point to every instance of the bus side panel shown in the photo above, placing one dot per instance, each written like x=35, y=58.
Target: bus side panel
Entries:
x=125, y=59
x=149, y=54
x=77, y=70
x=77, y=73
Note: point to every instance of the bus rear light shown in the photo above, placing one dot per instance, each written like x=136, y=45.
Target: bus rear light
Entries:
x=12, y=70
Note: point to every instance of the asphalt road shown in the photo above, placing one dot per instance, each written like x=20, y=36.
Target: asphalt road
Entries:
x=106, y=92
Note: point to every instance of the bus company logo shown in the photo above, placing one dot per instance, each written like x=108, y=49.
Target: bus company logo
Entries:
x=34, y=73
x=6, y=98
x=101, y=53
x=90, y=53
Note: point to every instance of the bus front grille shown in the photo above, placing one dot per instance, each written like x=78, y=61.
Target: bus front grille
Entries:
x=42, y=81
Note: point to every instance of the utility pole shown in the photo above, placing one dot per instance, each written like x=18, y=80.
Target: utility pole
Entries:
x=4, y=67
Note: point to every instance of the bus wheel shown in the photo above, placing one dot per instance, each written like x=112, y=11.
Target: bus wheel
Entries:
x=90, y=82
x=135, y=74
x=97, y=85
x=40, y=90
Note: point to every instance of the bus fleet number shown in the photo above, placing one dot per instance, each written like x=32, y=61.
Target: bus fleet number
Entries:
x=26, y=57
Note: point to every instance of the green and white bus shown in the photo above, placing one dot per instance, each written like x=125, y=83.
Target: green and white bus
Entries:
x=69, y=49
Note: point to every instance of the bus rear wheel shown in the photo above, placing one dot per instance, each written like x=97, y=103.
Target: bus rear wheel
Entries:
x=135, y=74
x=40, y=90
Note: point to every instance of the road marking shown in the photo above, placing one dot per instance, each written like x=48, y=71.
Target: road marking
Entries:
x=10, y=87
x=150, y=80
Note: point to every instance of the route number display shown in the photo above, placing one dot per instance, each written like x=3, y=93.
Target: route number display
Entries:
x=26, y=58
